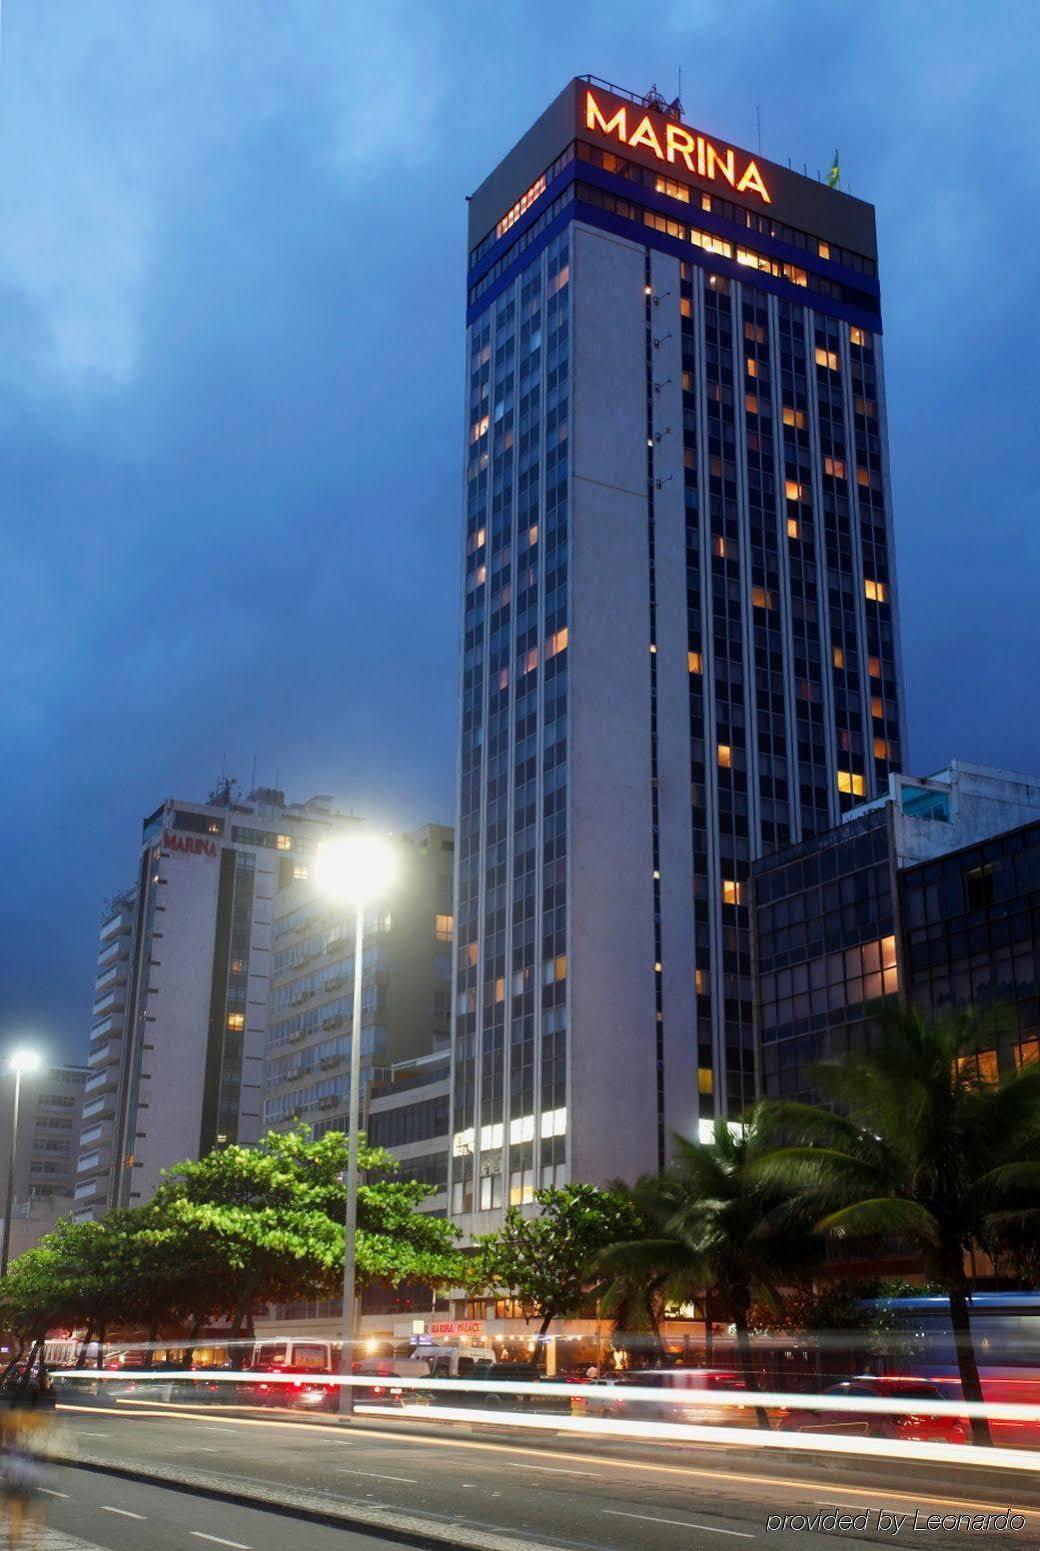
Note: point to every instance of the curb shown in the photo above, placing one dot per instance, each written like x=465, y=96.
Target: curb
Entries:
x=398, y=1528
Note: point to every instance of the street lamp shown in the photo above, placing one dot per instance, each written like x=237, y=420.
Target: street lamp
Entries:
x=19, y=1061
x=354, y=871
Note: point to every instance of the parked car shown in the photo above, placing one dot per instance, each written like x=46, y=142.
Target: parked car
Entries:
x=878, y=1424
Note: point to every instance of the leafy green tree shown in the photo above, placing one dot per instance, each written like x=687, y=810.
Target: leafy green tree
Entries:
x=925, y=1147
x=548, y=1262
x=267, y=1222
x=717, y=1226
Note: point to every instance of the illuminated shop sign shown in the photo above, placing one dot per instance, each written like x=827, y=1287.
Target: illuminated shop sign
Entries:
x=191, y=845
x=674, y=143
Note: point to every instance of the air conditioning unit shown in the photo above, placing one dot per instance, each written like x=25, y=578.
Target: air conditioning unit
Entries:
x=329, y=1103
x=296, y=1036
x=334, y=982
x=333, y=1022
x=329, y=1061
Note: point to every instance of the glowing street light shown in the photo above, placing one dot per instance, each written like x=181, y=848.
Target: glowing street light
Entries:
x=354, y=871
x=22, y=1059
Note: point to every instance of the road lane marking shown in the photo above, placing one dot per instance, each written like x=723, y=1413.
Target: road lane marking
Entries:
x=85, y=1434
x=219, y=1540
x=49, y=1491
x=556, y=1470
x=376, y=1475
x=643, y=1467
x=648, y=1518
x=124, y=1513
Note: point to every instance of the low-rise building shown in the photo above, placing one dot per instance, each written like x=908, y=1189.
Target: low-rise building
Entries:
x=924, y=892
x=46, y=1148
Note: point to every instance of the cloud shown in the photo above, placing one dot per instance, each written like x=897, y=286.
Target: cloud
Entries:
x=107, y=122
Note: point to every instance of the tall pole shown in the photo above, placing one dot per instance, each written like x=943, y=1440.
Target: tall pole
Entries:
x=5, y=1248
x=346, y=1393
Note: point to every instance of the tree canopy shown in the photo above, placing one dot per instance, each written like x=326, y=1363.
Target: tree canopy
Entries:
x=240, y=1226
x=549, y=1261
x=926, y=1145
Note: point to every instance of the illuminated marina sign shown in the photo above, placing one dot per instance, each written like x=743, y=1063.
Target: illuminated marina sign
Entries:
x=673, y=142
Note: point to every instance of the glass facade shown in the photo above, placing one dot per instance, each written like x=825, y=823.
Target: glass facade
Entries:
x=972, y=934
x=826, y=944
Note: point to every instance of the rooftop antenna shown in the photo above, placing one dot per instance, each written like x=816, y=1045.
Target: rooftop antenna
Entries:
x=758, y=126
x=252, y=784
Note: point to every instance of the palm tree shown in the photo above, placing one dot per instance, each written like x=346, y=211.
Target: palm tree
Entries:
x=717, y=1224
x=928, y=1146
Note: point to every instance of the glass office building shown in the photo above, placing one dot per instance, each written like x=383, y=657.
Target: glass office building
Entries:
x=679, y=632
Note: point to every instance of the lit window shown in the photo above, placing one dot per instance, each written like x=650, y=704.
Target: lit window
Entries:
x=826, y=358
x=528, y=662
x=705, y=1082
x=685, y=307
x=687, y=382
x=981, y=1068
x=874, y=667
x=823, y=249
x=700, y=982
x=300, y=873
x=725, y=756
x=794, y=490
x=834, y=467
x=1027, y=1053
x=752, y=366
x=751, y=403
x=705, y=201
x=795, y=417
x=478, y=428
x=852, y=783
x=516, y=211
x=755, y=332
x=672, y=189
x=875, y=591
x=882, y=749
x=866, y=407
x=556, y=642
x=793, y=529
x=762, y=598
x=471, y=953
x=720, y=546
x=695, y=662
x=858, y=337
x=877, y=707
x=532, y=534
x=732, y=892
x=444, y=927
x=238, y=966
x=863, y=476
x=283, y=842
x=500, y=989
x=236, y=1022
x=839, y=657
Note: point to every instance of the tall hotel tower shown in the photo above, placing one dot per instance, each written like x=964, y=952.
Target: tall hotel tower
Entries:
x=679, y=621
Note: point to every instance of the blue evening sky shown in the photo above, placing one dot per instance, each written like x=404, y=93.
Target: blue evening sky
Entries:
x=232, y=242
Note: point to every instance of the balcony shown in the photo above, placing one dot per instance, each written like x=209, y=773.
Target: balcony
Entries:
x=111, y=1003
x=88, y=1188
x=118, y=948
x=94, y=1133
x=114, y=975
x=112, y=925
x=105, y=1105
x=100, y=1056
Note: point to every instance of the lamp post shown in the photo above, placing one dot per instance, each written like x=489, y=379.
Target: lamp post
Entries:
x=18, y=1061
x=356, y=871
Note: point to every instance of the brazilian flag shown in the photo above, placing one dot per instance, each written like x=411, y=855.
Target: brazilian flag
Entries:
x=834, y=176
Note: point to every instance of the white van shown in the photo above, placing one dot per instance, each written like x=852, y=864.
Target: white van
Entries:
x=456, y=1362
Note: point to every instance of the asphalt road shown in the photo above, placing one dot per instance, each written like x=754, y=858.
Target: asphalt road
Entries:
x=533, y=1492
x=102, y=1511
